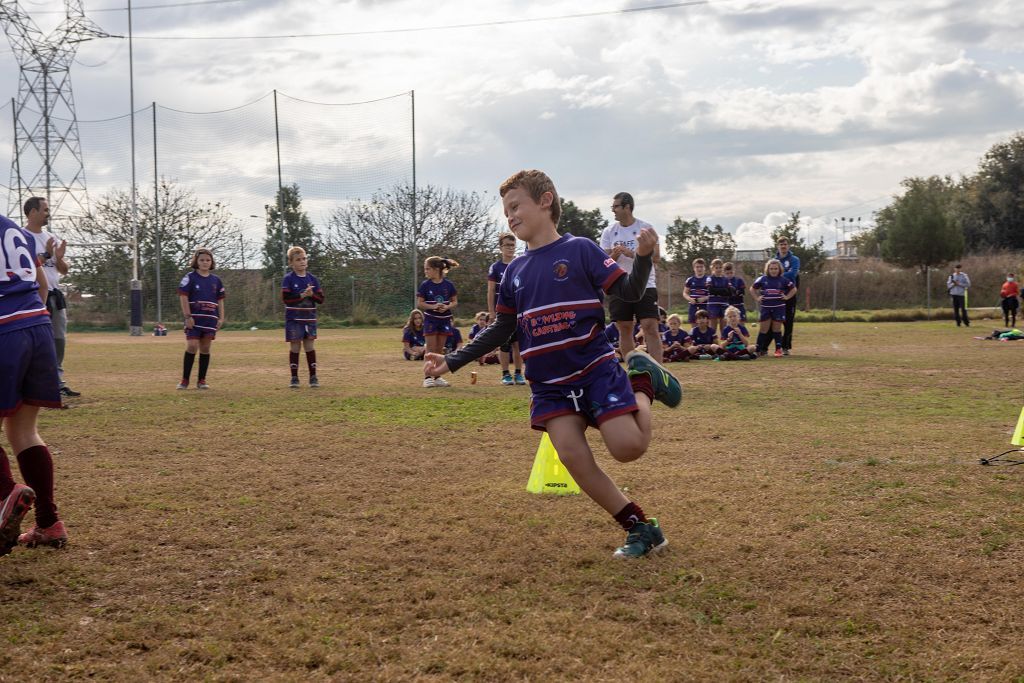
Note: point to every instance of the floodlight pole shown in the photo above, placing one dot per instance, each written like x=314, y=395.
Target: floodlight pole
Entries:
x=280, y=191
x=17, y=164
x=136, y=286
x=156, y=225
x=415, y=269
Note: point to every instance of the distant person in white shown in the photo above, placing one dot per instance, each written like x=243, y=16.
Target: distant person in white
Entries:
x=51, y=253
x=619, y=241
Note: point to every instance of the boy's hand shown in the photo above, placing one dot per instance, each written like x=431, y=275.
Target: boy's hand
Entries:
x=646, y=241
x=308, y=291
x=189, y=323
x=434, y=365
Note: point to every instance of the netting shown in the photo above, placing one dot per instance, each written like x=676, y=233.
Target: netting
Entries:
x=214, y=181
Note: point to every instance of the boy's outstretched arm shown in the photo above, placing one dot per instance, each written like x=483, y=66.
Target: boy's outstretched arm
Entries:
x=496, y=334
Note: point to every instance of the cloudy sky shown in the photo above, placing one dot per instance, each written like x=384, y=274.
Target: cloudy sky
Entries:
x=736, y=112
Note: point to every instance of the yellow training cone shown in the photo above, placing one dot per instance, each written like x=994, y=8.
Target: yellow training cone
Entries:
x=549, y=474
x=1018, y=433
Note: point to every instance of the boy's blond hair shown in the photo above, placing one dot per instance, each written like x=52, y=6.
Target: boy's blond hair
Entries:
x=731, y=310
x=536, y=183
x=676, y=317
x=292, y=251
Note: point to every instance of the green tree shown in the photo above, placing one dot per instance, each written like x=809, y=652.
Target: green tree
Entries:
x=298, y=231
x=576, y=221
x=918, y=226
x=811, y=254
x=990, y=204
x=688, y=240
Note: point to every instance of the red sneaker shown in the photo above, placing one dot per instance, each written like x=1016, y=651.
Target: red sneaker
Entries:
x=778, y=353
x=54, y=536
x=11, y=513
x=201, y=384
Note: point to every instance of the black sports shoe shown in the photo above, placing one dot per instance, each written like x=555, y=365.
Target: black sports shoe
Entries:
x=68, y=391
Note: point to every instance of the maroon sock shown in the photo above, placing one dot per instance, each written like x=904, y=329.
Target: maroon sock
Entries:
x=293, y=362
x=630, y=515
x=311, y=362
x=642, y=385
x=6, y=480
x=36, y=465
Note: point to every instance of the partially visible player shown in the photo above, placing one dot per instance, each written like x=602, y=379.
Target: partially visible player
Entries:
x=735, y=338
x=703, y=338
x=772, y=290
x=719, y=291
x=301, y=292
x=201, y=294
x=414, y=344
x=436, y=297
x=695, y=291
x=507, y=245
x=554, y=293
x=739, y=290
x=28, y=381
x=1009, y=292
x=454, y=340
x=675, y=341
x=481, y=320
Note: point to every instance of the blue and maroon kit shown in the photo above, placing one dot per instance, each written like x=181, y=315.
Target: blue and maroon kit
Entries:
x=698, y=290
x=453, y=339
x=734, y=343
x=204, y=296
x=556, y=293
x=705, y=338
x=738, y=299
x=717, y=287
x=437, y=293
x=28, y=360
x=413, y=337
x=773, y=289
x=494, y=274
x=611, y=332
x=300, y=312
x=668, y=338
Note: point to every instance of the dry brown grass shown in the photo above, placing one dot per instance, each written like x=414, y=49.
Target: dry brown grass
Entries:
x=826, y=514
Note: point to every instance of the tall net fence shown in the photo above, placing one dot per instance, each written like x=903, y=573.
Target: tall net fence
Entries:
x=220, y=179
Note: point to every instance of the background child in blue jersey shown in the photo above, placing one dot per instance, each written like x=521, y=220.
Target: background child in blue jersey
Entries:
x=453, y=342
x=202, y=302
x=739, y=290
x=301, y=293
x=554, y=294
x=436, y=297
x=703, y=338
x=735, y=338
x=28, y=381
x=772, y=290
x=480, y=324
x=507, y=245
x=695, y=290
x=675, y=342
x=717, y=286
x=414, y=344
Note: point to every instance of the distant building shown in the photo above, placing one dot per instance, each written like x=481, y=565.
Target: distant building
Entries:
x=751, y=255
x=845, y=251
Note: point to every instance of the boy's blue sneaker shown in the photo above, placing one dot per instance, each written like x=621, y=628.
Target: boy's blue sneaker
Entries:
x=644, y=538
x=519, y=379
x=666, y=387
x=507, y=380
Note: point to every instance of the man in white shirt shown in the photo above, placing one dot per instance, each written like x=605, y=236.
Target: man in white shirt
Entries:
x=957, y=285
x=51, y=254
x=619, y=241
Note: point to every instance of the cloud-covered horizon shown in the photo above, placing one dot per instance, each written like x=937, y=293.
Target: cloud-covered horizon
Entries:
x=730, y=112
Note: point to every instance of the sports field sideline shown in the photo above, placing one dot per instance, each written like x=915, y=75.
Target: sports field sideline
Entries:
x=826, y=513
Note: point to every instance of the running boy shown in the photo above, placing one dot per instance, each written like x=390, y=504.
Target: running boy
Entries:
x=301, y=293
x=507, y=244
x=28, y=381
x=772, y=290
x=554, y=293
x=202, y=303
x=436, y=297
x=695, y=291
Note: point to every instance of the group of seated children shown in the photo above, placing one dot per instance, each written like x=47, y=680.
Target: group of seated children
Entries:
x=702, y=341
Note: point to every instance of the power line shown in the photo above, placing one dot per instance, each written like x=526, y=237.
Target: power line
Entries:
x=442, y=27
x=136, y=8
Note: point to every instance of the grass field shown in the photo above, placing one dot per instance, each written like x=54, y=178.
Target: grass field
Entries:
x=826, y=514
